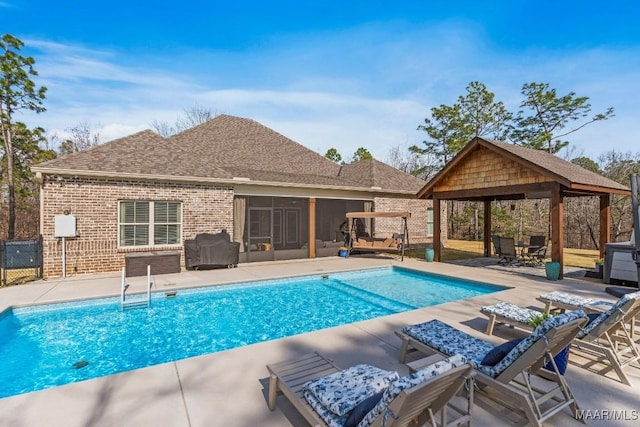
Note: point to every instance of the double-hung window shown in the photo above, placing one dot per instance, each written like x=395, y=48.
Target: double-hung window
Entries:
x=149, y=223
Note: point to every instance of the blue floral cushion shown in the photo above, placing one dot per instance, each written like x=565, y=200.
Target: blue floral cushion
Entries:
x=566, y=299
x=497, y=353
x=448, y=340
x=510, y=311
x=408, y=381
x=604, y=316
x=331, y=419
x=344, y=390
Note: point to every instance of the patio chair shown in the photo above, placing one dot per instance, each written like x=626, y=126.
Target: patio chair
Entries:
x=537, y=250
x=495, y=239
x=526, y=358
x=508, y=251
x=605, y=336
x=328, y=396
x=538, y=257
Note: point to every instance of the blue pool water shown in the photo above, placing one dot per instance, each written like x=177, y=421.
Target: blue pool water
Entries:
x=43, y=346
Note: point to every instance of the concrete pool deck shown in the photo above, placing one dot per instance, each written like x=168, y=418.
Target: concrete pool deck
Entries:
x=229, y=388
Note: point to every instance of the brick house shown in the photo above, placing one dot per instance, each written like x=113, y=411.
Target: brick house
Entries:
x=146, y=193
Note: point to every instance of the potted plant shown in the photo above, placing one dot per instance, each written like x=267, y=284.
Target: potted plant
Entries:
x=536, y=319
x=562, y=358
x=599, y=265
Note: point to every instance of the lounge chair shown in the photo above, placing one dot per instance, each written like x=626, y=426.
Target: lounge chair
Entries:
x=420, y=394
x=608, y=338
x=527, y=356
x=561, y=301
x=606, y=335
x=508, y=314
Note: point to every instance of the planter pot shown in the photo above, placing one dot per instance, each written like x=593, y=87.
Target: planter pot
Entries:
x=561, y=359
x=552, y=270
x=429, y=254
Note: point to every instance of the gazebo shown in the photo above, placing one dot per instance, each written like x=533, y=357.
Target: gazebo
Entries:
x=487, y=170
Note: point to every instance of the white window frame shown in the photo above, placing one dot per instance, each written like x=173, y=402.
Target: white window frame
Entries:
x=429, y=222
x=151, y=224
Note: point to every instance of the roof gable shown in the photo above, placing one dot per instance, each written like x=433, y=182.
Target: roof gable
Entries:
x=230, y=141
x=478, y=170
x=485, y=164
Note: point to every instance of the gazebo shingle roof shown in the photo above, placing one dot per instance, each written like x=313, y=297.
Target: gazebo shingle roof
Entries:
x=574, y=179
x=555, y=165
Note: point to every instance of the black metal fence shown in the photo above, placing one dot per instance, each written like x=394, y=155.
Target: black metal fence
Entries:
x=20, y=261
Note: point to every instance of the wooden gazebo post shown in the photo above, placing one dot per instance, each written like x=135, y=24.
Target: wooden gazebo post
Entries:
x=487, y=227
x=605, y=222
x=557, y=227
x=437, y=221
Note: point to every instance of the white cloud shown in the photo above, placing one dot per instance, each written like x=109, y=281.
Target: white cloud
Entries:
x=369, y=86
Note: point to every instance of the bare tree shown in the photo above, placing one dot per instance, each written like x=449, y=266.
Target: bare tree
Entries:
x=163, y=128
x=421, y=165
x=83, y=136
x=619, y=167
x=582, y=222
x=193, y=116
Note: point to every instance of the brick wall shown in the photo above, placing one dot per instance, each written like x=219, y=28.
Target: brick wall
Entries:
x=417, y=224
x=95, y=206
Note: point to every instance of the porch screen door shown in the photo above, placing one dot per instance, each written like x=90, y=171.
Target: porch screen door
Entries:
x=260, y=229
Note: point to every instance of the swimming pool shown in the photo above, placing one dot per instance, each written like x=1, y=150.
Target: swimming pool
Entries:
x=50, y=345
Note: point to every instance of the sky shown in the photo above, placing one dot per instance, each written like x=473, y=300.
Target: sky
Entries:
x=342, y=74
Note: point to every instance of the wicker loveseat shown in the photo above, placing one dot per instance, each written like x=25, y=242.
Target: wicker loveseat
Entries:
x=211, y=250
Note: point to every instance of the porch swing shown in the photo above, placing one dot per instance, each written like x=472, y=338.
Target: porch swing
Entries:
x=359, y=240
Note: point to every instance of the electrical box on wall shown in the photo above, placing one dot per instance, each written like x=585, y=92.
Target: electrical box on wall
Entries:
x=65, y=226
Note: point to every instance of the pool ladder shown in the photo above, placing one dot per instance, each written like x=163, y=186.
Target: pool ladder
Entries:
x=138, y=301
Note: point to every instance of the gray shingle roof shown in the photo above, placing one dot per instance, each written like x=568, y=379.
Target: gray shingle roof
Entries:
x=223, y=148
x=569, y=175
x=562, y=169
x=373, y=173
